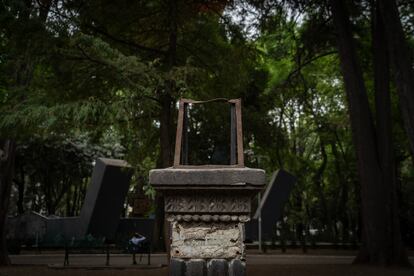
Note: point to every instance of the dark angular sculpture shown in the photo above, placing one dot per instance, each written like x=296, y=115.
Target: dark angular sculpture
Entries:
x=105, y=198
x=273, y=201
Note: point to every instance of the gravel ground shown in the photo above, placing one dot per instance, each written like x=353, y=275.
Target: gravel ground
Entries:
x=318, y=263
x=259, y=270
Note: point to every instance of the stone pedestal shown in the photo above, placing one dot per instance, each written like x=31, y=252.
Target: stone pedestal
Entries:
x=207, y=208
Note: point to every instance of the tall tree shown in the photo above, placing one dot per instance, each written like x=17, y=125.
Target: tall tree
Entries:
x=379, y=230
x=402, y=64
x=167, y=101
x=393, y=242
x=7, y=157
x=24, y=17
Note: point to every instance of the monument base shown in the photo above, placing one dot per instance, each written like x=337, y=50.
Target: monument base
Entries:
x=207, y=267
x=206, y=210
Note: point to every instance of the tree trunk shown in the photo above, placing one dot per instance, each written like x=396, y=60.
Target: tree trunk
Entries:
x=343, y=193
x=166, y=127
x=20, y=188
x=394, y=244
x=402, y=64
x=69, y=203
x=166, y=133
x=374, y=198
x=317, y=179
x=7, y=157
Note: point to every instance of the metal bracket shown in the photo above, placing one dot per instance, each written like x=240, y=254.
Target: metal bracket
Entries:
x=236, y=134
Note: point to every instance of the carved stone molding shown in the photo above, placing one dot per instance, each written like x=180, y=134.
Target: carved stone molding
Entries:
x=209, y=203
x=208, y=218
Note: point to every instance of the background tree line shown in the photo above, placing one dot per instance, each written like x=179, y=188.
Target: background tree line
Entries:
x=327, y=90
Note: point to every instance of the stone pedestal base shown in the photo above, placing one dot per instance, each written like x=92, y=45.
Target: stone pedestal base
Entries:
x=212, y=247
x=206, y=210
x=206, y=267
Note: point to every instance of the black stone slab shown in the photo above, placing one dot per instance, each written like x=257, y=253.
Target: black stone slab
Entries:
x=237, y=268
x=105, y=198
x=177, y=267
x=273, y=201
x=217, y=267
x=196, y=268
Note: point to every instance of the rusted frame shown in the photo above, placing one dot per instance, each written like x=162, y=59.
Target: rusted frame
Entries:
x=239, y=131
x=236, y=143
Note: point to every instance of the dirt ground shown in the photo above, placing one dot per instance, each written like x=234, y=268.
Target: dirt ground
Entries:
x=259, y=270
x=295, y=263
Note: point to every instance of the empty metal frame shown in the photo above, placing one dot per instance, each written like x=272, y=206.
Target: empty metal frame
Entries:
x=236, y=135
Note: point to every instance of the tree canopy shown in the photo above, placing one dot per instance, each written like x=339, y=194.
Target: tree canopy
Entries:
x=327, y=91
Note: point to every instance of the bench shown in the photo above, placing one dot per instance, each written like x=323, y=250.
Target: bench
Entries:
x=142, y=248
x=106, y=246
x=82, y=245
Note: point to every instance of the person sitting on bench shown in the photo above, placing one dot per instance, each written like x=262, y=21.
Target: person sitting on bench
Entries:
x=135, y=244
x=137, y=239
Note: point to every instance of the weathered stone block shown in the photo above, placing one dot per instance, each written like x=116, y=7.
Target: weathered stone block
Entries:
x=177, y=267
x=210, y=176
x=207, y=240
x=237, y=268
x=196, y=267
x=217, y=267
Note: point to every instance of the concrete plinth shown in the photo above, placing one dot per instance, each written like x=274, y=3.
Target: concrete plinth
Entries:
x=207, y=209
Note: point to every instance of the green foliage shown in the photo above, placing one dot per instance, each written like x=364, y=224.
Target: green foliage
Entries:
x=55, y=171
x=89, y=81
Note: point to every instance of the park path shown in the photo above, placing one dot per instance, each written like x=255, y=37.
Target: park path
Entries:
x=161, y=259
